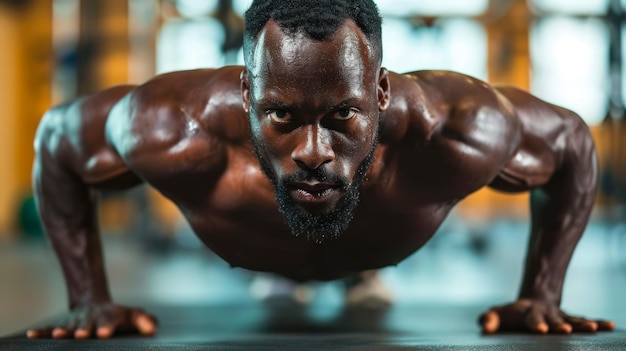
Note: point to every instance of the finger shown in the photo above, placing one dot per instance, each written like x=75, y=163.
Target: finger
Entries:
x=605, y=325
x=82, y=334
x=105, y=331
x=84, y=330
x=535, y=322
x=60, y=333
x=561, y=328
x=145, y=324
x=490, y=322
x=558, y=325
x=582, y=325
x=39, y=333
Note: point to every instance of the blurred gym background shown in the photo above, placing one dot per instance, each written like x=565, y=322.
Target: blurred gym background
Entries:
x=570, y=53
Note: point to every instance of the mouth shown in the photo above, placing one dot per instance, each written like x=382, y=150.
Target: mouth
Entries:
x=315, y=195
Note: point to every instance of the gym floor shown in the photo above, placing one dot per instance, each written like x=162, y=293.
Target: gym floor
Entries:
x=201, y=303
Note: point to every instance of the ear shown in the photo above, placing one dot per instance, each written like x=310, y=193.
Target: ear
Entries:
x=383, y=89
x=245, y=90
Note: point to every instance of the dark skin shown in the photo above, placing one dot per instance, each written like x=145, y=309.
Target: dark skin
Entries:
x=314, y=105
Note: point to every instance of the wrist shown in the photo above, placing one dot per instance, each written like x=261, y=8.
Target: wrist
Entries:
x=542, y=293
x=88, y=297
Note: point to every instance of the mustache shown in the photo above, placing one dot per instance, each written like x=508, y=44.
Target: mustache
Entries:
x=313, y=175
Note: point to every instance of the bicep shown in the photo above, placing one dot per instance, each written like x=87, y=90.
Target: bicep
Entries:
x=546, y=138
x=72, y=135
x=482, y=134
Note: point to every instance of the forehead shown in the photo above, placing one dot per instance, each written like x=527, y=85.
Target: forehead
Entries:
x=297, y=61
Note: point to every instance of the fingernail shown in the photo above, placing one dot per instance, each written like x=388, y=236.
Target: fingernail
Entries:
x=593, y=326
x=81, y=334
x=145, y=325
x=104, y=333
x=565, y=328
x=59, y=333
x=492, y=322
x=31, y=334
x=542, y=328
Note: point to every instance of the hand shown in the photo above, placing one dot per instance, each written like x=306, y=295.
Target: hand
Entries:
x=100, y=320
x=538, y=317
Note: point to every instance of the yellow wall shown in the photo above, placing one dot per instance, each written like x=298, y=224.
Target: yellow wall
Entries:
x=8, y=101
x=25, y=68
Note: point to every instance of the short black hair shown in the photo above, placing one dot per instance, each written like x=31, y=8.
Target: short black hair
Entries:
x=317, y=19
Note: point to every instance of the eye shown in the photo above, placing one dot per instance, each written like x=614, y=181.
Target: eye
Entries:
x=278, y=116
x=344, y=114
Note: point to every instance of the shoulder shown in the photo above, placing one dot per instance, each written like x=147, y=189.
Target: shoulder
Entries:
x=180, y=121
x=460, y=127
x=422, y=102
x=78, y=124
x=457, y=106
x=447, y=90
x=174, y=106
x=192, y=90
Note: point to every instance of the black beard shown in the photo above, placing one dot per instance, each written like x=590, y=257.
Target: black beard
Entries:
x=317, y=227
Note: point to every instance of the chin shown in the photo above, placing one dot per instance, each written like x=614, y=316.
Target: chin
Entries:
x=318, y=224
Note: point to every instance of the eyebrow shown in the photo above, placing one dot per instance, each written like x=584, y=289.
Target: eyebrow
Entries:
x=351, y=101
x=344, y=104
x=283, y=105
x=278, y=103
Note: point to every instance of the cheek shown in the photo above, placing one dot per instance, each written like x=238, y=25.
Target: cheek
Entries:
x=355, y=147
x=361, y=137
x=367, y=130
x=274, y=148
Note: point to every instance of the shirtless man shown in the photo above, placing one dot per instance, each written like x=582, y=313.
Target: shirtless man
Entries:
x=313, y=162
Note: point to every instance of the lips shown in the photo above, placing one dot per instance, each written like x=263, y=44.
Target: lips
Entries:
x=314, y=193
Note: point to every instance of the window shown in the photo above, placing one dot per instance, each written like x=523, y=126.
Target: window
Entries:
x=65, y=28
x=570, y=64
x=571, y=7
x=394, y=8
x=453, y=44
x=188, y=44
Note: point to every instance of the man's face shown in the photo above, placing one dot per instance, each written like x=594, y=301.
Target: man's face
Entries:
x=314, y=111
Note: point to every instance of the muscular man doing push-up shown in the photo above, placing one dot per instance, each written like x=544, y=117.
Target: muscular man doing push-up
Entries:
x=313, y=162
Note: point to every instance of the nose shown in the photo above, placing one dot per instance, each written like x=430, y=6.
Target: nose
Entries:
x=314, y=149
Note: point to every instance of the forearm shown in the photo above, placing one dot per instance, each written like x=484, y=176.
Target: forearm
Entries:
x=560, y=211
x=68, y=211
x=80, y=255
x=553, y=239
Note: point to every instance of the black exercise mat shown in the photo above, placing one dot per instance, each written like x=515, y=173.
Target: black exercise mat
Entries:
x=319, y=327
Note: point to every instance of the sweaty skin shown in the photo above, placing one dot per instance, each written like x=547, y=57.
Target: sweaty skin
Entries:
x=308, y=106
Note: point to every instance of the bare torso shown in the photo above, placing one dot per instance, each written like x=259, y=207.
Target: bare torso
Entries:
x=443, y=136
x=231, y=205
x=187, y=135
